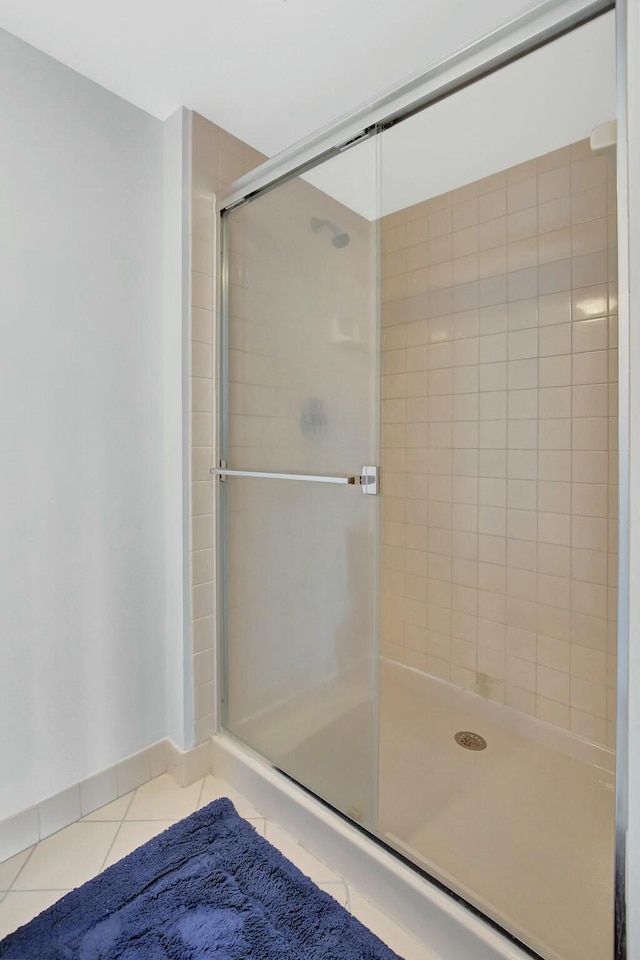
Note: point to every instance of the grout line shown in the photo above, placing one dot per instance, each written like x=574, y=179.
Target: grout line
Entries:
x=133, y=794
x=259, y=824
x=45, y=889
x=23, y=865
x=199, y=801
x=115, y=837
x=117, y=833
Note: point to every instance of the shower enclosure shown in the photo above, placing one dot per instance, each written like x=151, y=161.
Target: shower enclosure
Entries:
x=417, y=493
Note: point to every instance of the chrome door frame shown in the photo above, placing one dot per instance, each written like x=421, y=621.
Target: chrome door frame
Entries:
x=549, y=21
x=627, y=105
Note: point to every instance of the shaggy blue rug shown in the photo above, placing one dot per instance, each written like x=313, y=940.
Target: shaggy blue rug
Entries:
x=208, y=888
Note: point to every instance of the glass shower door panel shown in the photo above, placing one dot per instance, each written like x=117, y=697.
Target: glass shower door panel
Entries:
x=300, y=628
x=301, y=399
x=499, y=286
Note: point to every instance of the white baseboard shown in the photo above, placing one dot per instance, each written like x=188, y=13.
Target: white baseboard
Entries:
x=52, y=814
x=187, y=766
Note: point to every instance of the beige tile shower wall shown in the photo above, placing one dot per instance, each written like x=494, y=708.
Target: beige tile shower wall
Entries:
x=499, y=439
x=217, y=159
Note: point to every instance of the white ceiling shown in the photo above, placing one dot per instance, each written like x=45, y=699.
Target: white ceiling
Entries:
x=548, y=99
x=269, y=71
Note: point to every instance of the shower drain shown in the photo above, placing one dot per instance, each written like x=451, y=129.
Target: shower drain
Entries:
x=470, y=740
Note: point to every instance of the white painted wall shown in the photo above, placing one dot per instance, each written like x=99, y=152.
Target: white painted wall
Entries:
x=82, y=538
x=176, y=358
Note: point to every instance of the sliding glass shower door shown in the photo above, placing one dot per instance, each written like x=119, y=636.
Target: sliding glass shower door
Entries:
x=482, y=748
x=499, y=387
x=299, y=482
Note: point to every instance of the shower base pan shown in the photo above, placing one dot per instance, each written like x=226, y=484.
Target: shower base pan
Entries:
x=438, y=919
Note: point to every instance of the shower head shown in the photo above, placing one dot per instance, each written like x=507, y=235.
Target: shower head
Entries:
x=341, y=240
x=340, y=237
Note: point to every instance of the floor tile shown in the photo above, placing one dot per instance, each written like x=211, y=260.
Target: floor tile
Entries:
x=215, y=788
x=386, y=929
x=18, y=908
x=68, y=858
x=77, y=853
x=163, y=799
x=112, y=811
x=132, y=834
x=305, y=861
x=10, y=869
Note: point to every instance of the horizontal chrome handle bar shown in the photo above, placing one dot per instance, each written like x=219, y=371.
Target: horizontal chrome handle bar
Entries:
x=312, y=478
x=369, y=479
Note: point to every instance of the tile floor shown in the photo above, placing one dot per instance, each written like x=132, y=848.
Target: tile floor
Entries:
x=34, y=879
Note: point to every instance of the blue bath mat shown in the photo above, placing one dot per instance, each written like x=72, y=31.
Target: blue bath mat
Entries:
x=208, y=888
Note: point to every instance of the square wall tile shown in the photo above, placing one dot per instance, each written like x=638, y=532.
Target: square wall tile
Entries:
x=504, y=453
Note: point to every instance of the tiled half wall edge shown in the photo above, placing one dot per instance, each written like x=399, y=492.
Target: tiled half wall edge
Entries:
x=217, y=159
